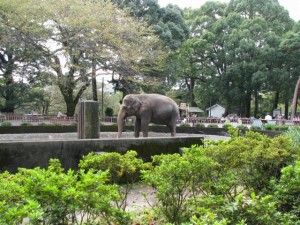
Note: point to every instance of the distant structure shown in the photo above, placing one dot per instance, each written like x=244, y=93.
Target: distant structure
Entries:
x=215, y=111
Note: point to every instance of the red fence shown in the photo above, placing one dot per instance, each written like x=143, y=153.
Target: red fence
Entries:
x=17, y=119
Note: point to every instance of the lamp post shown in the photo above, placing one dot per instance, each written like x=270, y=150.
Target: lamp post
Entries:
x=102, y=98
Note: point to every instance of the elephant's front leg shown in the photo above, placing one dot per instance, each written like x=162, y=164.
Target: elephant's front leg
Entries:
x=145, y=127
x=137, y=127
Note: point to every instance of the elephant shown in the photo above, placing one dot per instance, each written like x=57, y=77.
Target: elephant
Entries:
x=148, y=108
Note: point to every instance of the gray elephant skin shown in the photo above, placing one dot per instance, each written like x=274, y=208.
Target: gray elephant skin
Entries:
x=148, y=108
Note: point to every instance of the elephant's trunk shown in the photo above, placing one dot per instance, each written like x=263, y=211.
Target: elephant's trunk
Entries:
x=121, y=117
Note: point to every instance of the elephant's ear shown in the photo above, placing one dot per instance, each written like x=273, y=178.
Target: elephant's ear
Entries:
x=136, y=103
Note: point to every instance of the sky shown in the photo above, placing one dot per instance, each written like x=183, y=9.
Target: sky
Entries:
x=290, y=5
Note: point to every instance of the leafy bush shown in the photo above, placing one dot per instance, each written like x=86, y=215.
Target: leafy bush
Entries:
x=199, y=125
x=225, y=181
x=287, y=190
x=294, y=134
x=6, y=124
x=242, y=127
x=25, y=123
x=269, y=126
x=226, y=126
x=255, y=128
x=185, y=125
x=282, y=127
x=123, y=169
x=213, y=126
x=43, y=124
x=50, y=196
x=109, y=111
x=171, y=178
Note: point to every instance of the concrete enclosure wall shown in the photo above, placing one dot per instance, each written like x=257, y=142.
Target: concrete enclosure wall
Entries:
x=30, y=154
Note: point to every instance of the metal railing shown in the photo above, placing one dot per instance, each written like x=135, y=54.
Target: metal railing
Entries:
x=17, y=119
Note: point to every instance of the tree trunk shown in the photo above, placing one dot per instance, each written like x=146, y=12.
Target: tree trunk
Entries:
x=276, y=100
x=255, y=103
x=121, y=117
x=190, y=82
x=248, y=105
x=294, y=104
x=286, y=109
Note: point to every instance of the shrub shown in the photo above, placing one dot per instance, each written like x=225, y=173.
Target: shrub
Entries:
x=185, y=125
x=199, y=125
x=226, y=126
x=43, y=124
x=255, y=128
x=171, y=178
x=212, y=126
x=51, y=196
x=123, y=169
x=294, y=134
x=287, y=190
x=269, y=126
x=6, y=124
x=282, y=127
x=242, y=127
x=26, y=124
x=109, y=111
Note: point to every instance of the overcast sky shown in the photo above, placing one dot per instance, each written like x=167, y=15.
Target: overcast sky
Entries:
x=290, y=5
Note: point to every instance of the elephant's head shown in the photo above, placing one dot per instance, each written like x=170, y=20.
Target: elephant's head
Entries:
x=130, y=106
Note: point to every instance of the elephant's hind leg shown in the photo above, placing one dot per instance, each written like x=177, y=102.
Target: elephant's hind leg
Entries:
x=137, y=128
x=172, y=129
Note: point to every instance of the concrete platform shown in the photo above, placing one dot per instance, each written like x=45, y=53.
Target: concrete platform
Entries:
x=35, y=150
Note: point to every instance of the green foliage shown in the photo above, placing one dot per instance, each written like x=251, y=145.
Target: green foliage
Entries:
x=50, y=196
x=242, y=127
x=255, y=128
x=122, y=169
x=269, y=126
x=287, y=190
x=282, y=127
x=226, y=126
x=109, y=111
x=294, y=134
x=228, y=182
x=6, y=124
x=171, y=178
x=25, y=123
x=185, y=125
x=199, y=125
x=212, y=126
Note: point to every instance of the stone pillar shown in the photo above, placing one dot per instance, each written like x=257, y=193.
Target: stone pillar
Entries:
x=88, y=120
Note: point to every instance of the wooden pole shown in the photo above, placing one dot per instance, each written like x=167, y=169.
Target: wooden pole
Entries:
x=294, y=104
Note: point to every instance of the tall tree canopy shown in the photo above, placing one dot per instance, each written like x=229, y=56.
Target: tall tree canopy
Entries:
x=169, y=25
x=234, y=49
x=74, y=35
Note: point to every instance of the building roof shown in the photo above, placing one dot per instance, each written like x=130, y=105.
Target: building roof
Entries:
x=214, y=106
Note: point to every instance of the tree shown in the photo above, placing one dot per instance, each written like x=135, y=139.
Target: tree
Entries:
x=168, y=24
x=18, y=52
x=236, y=48
x=74, y=34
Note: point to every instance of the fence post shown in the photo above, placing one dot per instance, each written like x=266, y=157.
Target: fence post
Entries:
x=88, y=120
